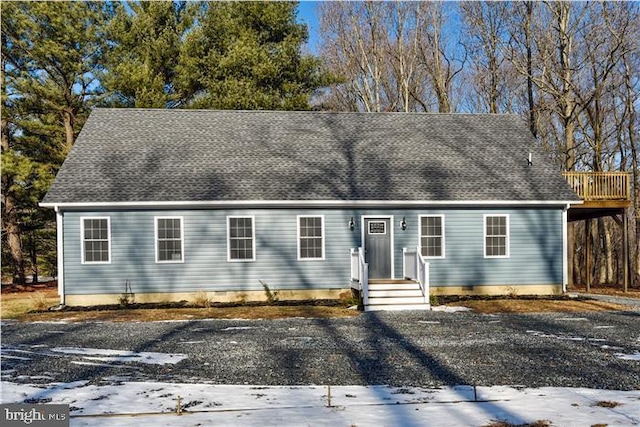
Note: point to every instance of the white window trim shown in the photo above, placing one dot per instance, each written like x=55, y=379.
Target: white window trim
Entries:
x=155, y=226
x=507, y=240
x=420, y=236
x=322, y=258
x=82, y=240
x=253, y=238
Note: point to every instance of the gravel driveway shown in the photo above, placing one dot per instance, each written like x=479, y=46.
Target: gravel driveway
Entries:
x=408, y=348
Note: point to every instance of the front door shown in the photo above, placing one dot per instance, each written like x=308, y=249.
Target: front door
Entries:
x=377, y=246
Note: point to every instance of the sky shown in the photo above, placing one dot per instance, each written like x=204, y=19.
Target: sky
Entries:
x=307, y=15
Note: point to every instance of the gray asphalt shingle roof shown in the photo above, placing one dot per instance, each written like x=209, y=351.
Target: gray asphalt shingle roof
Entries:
x=144, y=155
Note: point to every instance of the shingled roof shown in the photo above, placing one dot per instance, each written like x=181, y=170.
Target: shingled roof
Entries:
x=145, y=155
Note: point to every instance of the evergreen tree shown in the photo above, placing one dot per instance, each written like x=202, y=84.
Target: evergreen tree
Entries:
x=247, y=55
x=51, y=56
x=145, y=39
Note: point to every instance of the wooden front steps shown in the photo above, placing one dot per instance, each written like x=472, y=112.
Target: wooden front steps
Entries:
x=395, y=295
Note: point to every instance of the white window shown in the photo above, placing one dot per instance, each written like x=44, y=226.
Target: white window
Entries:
x=240, y=238
x=496, y=236
x=96, y=240
x=169, y=239
x=432, y=236
x=310, y=238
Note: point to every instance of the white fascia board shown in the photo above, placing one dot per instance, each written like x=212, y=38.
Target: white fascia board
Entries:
x=307, y=203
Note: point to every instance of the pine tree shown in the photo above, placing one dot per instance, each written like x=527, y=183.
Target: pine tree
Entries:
x=145, y=41
x=247, y=55
x=51, y=56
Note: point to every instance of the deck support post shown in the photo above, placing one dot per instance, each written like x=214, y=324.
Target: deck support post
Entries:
x=625, y=249
x=587, y=253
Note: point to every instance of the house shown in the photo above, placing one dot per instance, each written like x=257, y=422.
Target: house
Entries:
x=163, y=204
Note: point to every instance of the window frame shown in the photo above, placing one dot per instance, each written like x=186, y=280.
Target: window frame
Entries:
x=253, y=238
x=157, y=253
x=322, y=237
x=507, y=236
x=83, y=240
x=442, y=235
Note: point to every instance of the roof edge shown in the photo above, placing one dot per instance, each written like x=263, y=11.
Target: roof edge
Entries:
x=306, y=203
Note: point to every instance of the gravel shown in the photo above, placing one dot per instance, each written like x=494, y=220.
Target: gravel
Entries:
x=428, y=349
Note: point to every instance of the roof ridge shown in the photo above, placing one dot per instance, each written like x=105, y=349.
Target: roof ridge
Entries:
x=313, y=112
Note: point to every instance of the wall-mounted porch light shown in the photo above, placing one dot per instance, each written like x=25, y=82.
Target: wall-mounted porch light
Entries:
x=352, y=224
x=403, y=223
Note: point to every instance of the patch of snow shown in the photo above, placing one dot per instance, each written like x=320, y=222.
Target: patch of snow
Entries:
x=122, y=356
x=604, y=327
x=429, y=322
x=4, y=356
x=634, y=356
x=449, y=308
x=135, y=404
x=237, y=328
x=100, y=365
x=573, y=319
x=610, y=347
x=192, y=342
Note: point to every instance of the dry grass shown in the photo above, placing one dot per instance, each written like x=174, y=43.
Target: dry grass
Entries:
x=615, y=290
x=14, y=304
x=536, y=306
x=607, y=404
x=499, y=423
x=18, y=305
x=201, y=299
x=152, y=315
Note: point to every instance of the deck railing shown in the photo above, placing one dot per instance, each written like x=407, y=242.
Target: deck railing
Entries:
x=590, y=186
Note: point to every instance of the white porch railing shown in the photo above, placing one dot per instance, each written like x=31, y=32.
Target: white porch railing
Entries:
x=360, y=273
x=416, y=268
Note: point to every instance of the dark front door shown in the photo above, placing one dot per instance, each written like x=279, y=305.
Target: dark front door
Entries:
x=377, y=245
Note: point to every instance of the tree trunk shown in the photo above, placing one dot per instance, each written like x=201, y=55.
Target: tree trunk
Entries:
x=527, y=36
x=10, y=215
x=12, y=229
x=69, y=119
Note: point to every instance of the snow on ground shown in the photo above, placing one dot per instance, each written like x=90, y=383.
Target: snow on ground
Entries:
x=122, y=356
x=99, y=355
x=155, y=404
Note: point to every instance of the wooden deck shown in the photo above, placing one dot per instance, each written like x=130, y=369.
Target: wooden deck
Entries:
x=603, y=193
x=600, y=186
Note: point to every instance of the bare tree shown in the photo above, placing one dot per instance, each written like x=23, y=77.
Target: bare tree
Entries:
x=485, y=27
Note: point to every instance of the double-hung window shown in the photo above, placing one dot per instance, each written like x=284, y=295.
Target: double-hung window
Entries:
x=432, y=236
x=96, y=240
x=310, y=238
x=496, y=236
x=169, y=239
x=241, y=238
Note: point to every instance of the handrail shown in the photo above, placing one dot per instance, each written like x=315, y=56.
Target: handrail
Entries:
x=360, y=273
x=422, y=268
x=591, y=186
x=364, y=277
x=416, y=268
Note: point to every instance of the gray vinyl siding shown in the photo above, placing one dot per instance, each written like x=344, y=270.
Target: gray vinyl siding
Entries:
x=535, y=250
